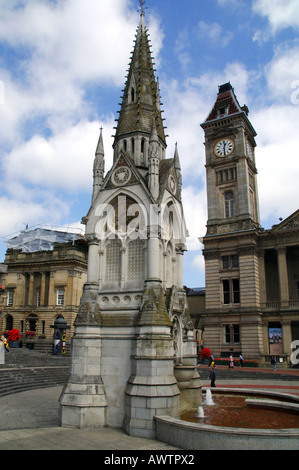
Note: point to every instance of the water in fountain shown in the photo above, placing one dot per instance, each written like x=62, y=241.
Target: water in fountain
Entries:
x=208, y=399
x=201, y=412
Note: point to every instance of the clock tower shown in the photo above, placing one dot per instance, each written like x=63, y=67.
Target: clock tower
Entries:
x=230, y=165
x=233, y=322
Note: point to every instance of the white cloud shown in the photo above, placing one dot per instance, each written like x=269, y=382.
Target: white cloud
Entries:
x=280, y=13
x=59, y=49
x=283, y=71
x=277, y=160
x=25, y=208
x=62, y=161
x=195, y=210
x=214, y=34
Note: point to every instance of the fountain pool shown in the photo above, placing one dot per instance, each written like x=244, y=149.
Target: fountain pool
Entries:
x=232, y=411
x=235, y=421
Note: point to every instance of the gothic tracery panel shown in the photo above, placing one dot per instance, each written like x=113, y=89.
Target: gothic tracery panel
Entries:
x=136, y=259
x=113, y=260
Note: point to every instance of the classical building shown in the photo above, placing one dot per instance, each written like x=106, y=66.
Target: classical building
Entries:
x=252, y=274
x=133, y=333
x=45, y=271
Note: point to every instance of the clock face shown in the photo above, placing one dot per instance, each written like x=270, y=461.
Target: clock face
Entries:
x=121, y=175
x=224, y=147
x=171, y=184
x=249, y=151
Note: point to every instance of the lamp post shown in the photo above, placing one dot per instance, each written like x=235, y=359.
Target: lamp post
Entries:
x=60, y=327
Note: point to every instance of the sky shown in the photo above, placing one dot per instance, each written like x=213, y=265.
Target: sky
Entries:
x=62, y=68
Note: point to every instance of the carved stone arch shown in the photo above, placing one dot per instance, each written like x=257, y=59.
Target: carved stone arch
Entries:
x=172, y=220
x=177, y=339
x=169, y=271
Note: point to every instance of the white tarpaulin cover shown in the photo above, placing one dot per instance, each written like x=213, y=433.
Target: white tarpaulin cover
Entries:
x=40, y=240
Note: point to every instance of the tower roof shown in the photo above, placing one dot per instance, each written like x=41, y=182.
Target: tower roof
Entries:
x=226, y=103
x=141, y=98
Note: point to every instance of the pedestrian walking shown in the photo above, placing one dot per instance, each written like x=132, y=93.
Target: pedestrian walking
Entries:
x=240, y=360
x=211, y=359
x=231, y=362
x=274, y=362
x=212, y=377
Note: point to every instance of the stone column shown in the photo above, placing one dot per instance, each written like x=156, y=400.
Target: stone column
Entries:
x=92, y=267
x=30, y=290
x=83, y=401
x=180, y=248
x=153, y=259
x=152, y=388
x=42, y=288
x=262, y=277
x=283, y=276
x=287, y=337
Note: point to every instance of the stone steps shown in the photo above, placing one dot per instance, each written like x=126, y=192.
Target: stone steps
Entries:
x=20, y=380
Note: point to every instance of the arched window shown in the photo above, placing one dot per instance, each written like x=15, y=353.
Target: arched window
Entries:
x=142, y=145
x=229, y=204
x=133, y=145
x=9, y=322
x=132, y=95
x=125, y=145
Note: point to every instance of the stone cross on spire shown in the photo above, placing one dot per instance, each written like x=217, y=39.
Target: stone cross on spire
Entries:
x=142, y=6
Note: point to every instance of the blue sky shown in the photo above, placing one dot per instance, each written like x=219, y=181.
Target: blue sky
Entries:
x=63, y=65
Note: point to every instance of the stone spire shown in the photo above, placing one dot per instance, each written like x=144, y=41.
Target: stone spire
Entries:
x=98, y=167
x=177, y=167
x=140, y=101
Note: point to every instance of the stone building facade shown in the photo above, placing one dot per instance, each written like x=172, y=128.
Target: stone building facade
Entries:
x=43, y=280
x=252, y=274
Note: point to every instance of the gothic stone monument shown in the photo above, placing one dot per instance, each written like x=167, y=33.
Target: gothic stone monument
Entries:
x=133, y=332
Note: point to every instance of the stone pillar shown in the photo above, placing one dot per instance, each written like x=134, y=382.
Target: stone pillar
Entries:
x=287, y=337
x=30, y=290
x=179, y=257
x=152, y=388
x=42, y=288
x=153, y=259
x=83, y=401
x=262, y=277
x=92, y=266
x=283, y=276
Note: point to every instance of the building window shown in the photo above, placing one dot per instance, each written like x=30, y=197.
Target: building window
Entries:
x=232, y=334
x=236, y=333
x=231, y=291
x=229, y=204
x=224, y=176
x=227, y=334
x=230, y=261
x=132, y=95
x=226, y=291
x=60, y=296
x=9, y=322
x=142, y=145
x=10, y=296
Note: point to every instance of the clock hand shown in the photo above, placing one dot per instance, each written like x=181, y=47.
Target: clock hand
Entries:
x=224, y=145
